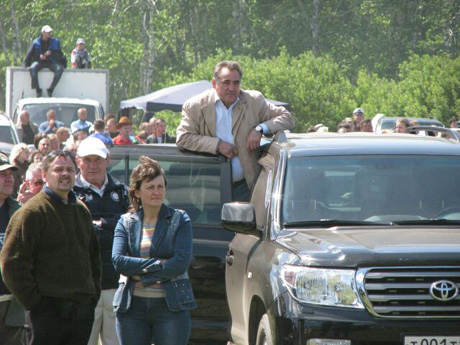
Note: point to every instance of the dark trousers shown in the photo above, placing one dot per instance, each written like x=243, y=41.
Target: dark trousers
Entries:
x=59, y=322
x=10, y=335
x=53, y=66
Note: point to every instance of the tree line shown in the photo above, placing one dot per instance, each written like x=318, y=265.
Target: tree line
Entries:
x=323, y=57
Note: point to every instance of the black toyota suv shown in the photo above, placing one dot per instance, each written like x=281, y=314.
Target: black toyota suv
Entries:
x=348, y=239
x=198, y=184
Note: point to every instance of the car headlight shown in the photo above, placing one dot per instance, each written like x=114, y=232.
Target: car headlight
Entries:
x=332, y=287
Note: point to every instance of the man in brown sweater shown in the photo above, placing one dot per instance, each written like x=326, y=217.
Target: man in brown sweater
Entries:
x=50, y=259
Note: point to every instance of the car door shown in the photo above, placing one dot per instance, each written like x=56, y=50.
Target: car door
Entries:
x=241, y=277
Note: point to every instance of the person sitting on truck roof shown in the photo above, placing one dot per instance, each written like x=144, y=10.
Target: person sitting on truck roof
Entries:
x=81, y=123
x=45, y=52
x=79, y=58
x=51, y=125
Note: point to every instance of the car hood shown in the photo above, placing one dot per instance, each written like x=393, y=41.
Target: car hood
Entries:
x=393, y=246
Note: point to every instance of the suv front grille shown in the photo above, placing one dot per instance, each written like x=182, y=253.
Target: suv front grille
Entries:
x=404, y=292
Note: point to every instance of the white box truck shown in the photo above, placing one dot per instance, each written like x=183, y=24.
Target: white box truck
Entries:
x=88, y=88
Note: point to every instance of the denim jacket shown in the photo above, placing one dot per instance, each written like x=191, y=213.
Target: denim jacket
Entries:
x=172, y=241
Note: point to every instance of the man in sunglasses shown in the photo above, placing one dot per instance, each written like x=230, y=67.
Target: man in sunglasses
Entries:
x=33, y=183
x=50, y=260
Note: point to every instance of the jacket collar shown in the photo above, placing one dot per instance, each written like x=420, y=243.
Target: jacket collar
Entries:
x=138, y=216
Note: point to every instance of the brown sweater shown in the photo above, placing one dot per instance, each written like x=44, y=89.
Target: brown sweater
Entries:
x=51, y=250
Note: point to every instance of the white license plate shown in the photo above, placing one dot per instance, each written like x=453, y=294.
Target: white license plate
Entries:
x=428, y=340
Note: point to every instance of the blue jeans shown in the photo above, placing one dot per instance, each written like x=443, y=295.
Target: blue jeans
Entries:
x=149, y=320
x=53, y=66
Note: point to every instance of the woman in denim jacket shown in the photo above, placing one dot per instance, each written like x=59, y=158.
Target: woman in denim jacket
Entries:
x=152, y=250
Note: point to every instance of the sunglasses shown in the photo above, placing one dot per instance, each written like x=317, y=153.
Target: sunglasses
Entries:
x=59, y=153
x=62, y=153
x=37, y=183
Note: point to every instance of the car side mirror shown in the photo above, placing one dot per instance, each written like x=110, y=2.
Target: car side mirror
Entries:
x=239, y=217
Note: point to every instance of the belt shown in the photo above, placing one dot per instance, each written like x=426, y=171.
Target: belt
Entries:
x=238, y=183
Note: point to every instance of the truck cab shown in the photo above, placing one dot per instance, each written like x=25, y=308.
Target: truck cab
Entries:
x=88, y=88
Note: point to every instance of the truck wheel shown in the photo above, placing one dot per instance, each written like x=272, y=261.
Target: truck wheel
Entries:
x=264, y=334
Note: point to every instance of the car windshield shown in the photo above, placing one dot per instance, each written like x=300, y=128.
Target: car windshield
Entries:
x=384, y=189
x=66, y=113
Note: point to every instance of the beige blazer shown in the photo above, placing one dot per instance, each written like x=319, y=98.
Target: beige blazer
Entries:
x=197, y=129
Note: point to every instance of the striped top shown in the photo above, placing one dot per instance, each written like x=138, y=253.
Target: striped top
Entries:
x=146, y=242
x=152, y=291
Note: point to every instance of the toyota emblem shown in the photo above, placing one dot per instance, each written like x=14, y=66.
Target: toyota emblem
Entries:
x=443, y=290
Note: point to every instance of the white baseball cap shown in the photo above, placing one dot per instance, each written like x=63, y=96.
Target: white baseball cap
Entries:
x=92, y=146
x=80, y=40
x=47, y=28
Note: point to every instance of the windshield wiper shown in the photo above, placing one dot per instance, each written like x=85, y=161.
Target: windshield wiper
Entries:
x=327, y=223
x=431, y=221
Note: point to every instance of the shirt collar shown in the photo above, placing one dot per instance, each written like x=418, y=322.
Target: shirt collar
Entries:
x=219, y=101
x=98, y=190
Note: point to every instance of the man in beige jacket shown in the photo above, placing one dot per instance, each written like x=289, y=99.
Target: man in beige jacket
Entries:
x=231, y=121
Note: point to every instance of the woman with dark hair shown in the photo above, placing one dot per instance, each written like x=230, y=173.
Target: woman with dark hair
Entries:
x=152, y=250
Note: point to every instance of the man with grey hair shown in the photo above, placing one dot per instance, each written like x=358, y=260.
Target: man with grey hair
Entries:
x=230, y=121
x=33, y=183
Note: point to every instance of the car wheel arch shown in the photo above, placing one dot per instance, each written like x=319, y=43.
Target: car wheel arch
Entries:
x=256, y=312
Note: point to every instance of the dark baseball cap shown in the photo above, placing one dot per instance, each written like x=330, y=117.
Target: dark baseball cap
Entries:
x=4, y=162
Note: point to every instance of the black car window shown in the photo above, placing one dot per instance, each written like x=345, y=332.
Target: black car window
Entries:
x=377, y=188
x=192, y=186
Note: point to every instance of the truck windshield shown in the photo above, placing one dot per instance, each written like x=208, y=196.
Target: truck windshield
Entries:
x=382, y=189
x=65, y=112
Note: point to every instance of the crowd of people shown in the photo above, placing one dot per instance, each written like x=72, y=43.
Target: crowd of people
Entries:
x=357, y=123
x=90, y=258
x=79, y=154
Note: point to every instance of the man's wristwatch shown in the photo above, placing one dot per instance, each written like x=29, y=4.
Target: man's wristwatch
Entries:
x=259, y=128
